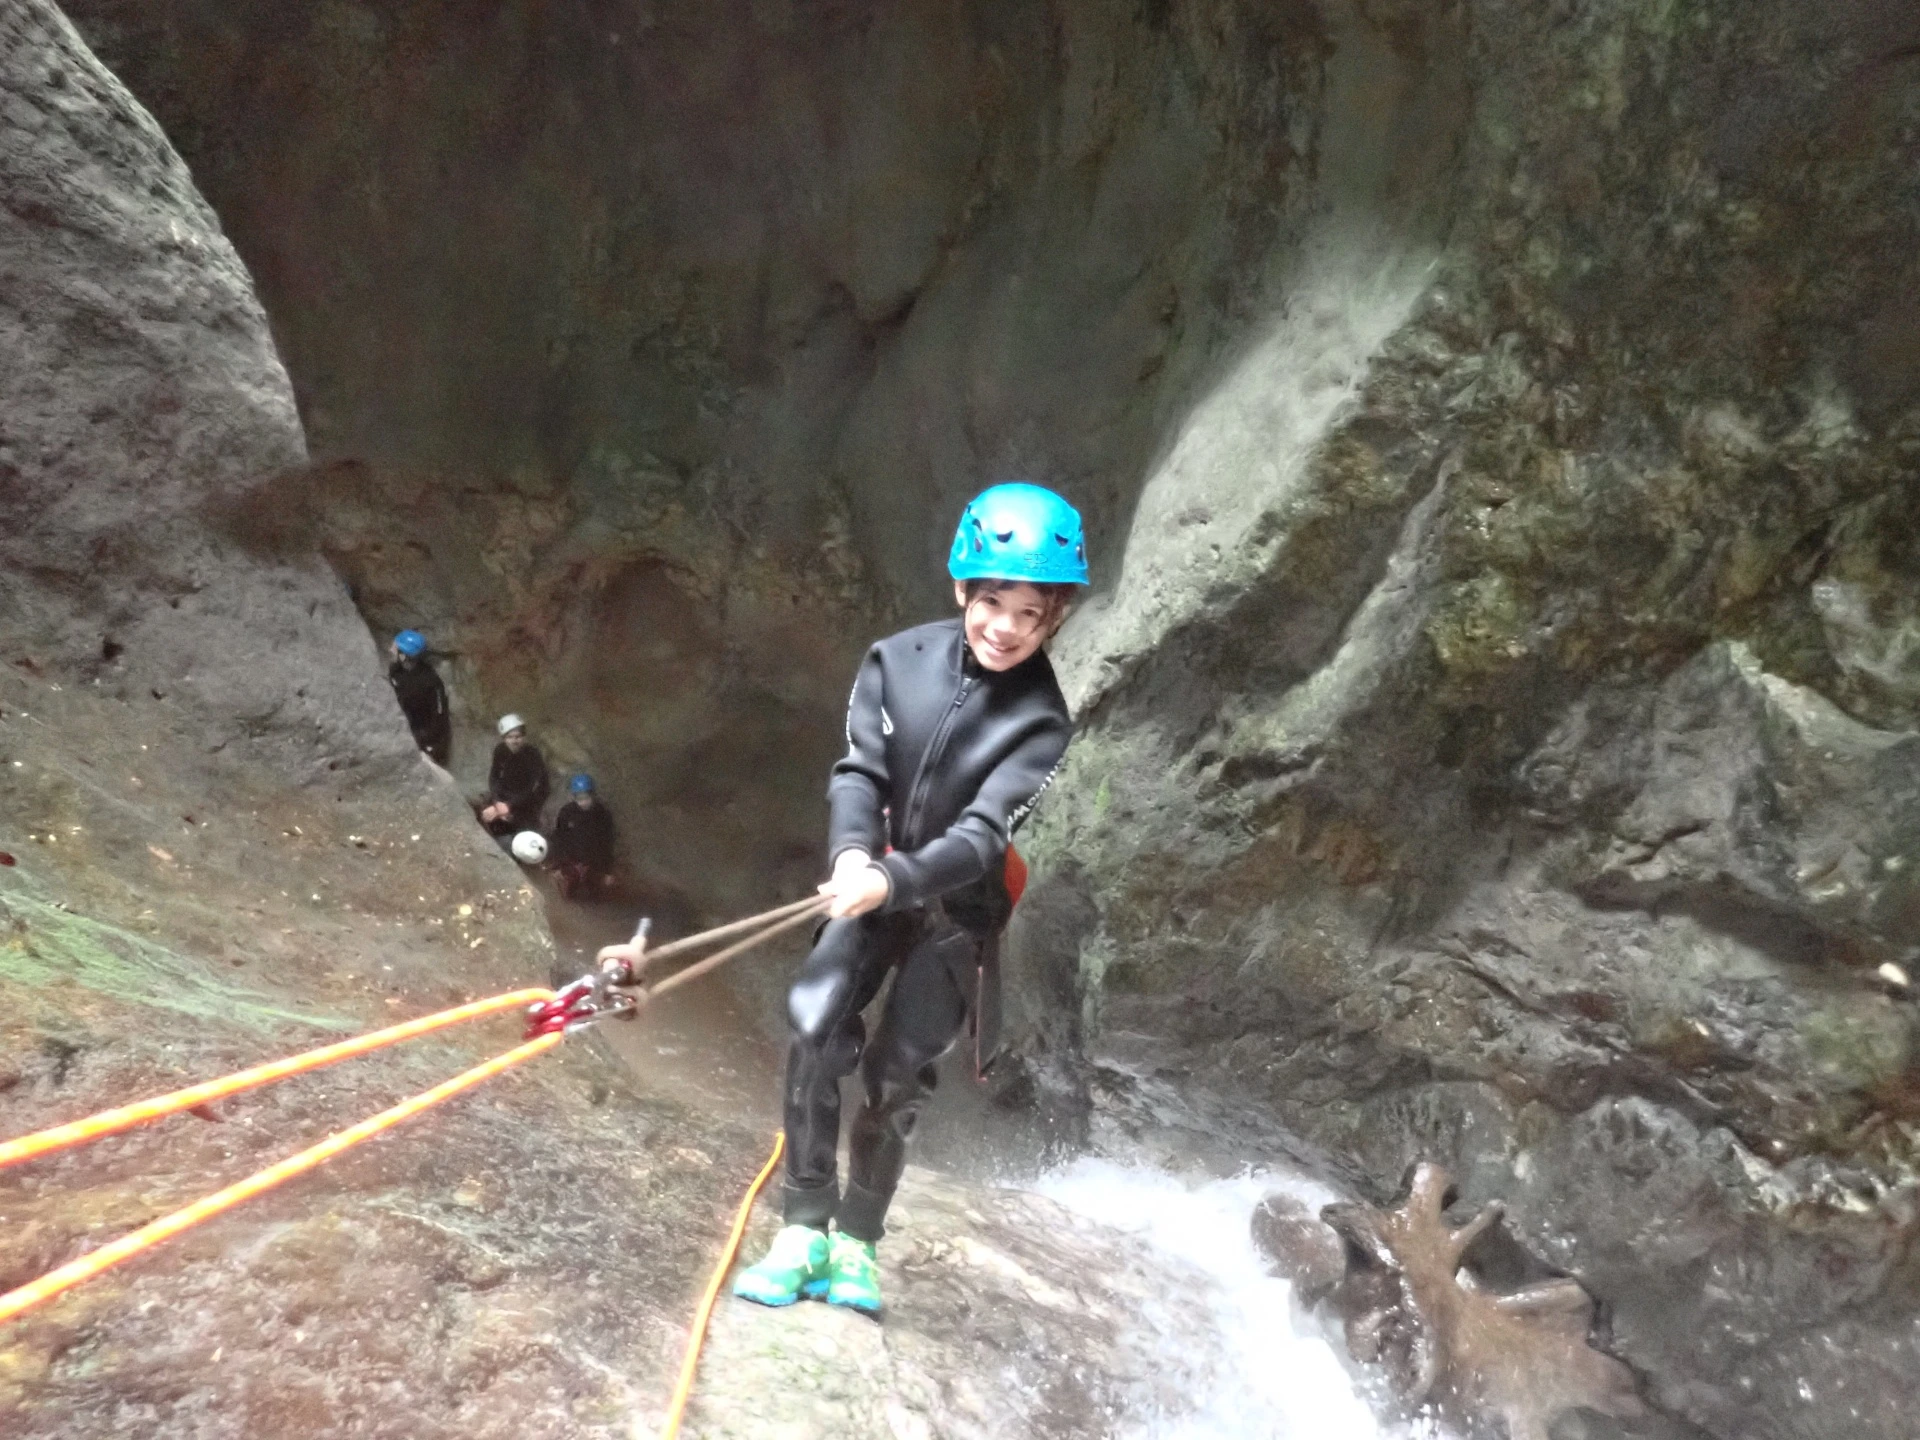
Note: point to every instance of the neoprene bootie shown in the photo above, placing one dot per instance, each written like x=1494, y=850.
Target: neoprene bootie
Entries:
x=795, y=1265
x=853, y=1277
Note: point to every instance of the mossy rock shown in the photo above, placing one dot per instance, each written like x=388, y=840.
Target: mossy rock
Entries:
x=45, y=947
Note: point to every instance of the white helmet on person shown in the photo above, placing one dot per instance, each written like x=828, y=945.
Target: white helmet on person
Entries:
x=508, y=724
x=529, y=847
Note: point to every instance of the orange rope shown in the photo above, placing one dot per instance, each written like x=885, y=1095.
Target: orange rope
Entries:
x=127, y=1246
x=697, y=1337
x=109, y=1122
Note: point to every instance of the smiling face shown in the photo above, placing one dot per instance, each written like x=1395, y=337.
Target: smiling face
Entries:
x=1005, y=623
x=515, y=739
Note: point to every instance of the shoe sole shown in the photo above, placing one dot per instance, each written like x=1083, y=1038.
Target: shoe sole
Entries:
x=772, y=1303
x=863, y=1306
x=811, y=1290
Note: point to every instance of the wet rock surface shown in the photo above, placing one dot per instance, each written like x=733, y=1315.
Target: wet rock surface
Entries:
x=1297, y=1245
x=1519, y=778
x=1006, y=1314
x=1499, y=427
x=444, y=1279
x=142, y=394
x=1484, y=1359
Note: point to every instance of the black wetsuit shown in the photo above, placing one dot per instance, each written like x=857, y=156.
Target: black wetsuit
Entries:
x=944, y=760
x=582, y=835
x=423, y=700
x=518, y=779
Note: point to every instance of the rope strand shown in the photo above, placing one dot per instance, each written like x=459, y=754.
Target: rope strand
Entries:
x=764, y=927
x=721, y=932
x=694, y=971
x=127, y=1246
x=125, y=1117
x=697, y=1336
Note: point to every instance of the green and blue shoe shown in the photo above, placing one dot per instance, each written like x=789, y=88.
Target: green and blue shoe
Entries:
x=796, y=1265
x=853, y=1275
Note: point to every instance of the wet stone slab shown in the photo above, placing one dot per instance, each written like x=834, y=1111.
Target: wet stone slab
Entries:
x=1007, y=1315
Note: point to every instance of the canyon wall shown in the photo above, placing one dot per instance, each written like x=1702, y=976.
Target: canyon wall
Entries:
x=646, y=356
x=1499, y=426
x=1525, y=773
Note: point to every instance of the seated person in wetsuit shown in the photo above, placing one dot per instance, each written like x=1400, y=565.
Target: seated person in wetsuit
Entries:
x=580, y=849
x=422, y=696
x=516, y=783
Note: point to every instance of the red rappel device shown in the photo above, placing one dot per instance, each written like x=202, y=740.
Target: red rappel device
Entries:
x=589, y=999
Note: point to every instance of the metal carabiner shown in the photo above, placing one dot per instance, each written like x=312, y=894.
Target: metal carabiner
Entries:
x=589, y=999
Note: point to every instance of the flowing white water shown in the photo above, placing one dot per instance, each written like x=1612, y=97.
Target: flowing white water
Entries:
x=1271, y=1378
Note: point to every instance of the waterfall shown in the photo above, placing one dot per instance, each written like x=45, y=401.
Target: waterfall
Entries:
x=1272, y=1374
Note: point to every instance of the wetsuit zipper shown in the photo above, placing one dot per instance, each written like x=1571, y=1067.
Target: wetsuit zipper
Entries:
x=936, y=748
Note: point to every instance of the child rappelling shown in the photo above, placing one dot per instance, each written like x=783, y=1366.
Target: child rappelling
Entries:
x=953, y=730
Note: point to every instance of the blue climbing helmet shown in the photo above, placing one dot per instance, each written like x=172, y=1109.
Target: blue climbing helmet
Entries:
x=1020, y=532
x=410, y=642
x=581, y=784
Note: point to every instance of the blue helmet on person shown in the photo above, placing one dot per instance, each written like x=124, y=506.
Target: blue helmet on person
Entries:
x=1020, y=532
x=410, y=642
x=581, y=784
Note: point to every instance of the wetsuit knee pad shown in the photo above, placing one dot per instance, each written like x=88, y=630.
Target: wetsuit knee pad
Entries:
x=815, y=1005
x=848, y=962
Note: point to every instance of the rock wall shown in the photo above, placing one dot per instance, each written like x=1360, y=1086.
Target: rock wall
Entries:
x=188, y=887
x=140, y=398
x=1532, y=782
x=1499, y=427
x=646, y=357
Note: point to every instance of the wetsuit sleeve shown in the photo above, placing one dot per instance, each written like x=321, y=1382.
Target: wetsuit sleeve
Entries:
x=977, y=841
x=858, y=791
x=521, y=782
x=439, y=730
x=560, y=842
x=541, y=784
x=598, y=851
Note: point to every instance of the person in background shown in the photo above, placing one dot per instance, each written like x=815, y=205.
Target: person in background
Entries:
x=580, y=848
x=422, y=696
x=517, y=783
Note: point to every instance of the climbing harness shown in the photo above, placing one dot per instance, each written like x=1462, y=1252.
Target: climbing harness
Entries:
x=552, y=1016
